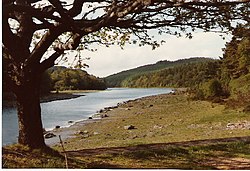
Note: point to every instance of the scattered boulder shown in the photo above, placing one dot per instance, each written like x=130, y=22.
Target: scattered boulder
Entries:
x=231, y=126
x=85, y=136
x=90, y=117
x=129, y=127
x=49, y=135
x=133, y=137
x=104, y=116
x=239, y=125
x=158, y=127
x=246, y=108
x=79, y=132
x=57, y=126
x=70, y=122
x=44, y=131
x=96, y=133
x=82, y=132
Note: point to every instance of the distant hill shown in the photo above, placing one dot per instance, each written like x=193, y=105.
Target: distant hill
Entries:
x=117, y=79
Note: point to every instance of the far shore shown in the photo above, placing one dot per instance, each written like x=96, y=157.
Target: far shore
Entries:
x=53, y=96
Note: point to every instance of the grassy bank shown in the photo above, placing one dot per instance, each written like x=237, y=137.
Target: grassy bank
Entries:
x=161, y=119
x=166, y=131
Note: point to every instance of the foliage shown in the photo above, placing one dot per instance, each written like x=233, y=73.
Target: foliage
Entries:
x=46, y=31
x=184, y=75
x=212, y=88
x=236, y=58
x=128, y=78
x=74, y=79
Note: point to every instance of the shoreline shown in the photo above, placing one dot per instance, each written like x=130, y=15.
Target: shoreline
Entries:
x=65, y=131
x=157, y=129
x=163, y=118
x=10, y=101
x=70, y=131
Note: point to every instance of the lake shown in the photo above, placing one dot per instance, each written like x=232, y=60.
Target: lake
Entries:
x=62, y=111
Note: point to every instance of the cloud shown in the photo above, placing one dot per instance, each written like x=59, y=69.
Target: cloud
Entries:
x=111, y=60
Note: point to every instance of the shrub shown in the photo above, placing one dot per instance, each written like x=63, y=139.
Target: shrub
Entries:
x=212, y=88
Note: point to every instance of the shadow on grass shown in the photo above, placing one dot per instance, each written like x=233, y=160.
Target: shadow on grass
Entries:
x=19, y=156
x=226, y=153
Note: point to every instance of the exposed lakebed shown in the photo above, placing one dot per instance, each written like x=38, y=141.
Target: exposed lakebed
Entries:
x=65, y=113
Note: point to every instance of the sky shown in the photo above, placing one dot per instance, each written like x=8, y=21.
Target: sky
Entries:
x=107, y=61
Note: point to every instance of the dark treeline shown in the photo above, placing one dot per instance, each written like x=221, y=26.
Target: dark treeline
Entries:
x=60, y=78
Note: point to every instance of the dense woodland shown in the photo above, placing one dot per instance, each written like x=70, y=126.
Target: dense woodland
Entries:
x=60, y=78
x=128, y=78
x=206, y=78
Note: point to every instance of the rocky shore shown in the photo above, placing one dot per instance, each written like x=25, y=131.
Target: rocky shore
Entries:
x=162, y=131
x=155, y=119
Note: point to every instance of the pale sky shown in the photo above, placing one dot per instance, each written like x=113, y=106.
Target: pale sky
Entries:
x=107, y=61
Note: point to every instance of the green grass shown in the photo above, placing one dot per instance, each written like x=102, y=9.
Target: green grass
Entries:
x=171, y=119
x=168, y=156
x=176, y=157
x=171, y=132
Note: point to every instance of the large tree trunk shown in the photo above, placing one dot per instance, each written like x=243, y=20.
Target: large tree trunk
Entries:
x=29, y=115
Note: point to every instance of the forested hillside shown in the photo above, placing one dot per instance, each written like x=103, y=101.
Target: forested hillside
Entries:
x=62, y=78
x=184, y=75
x=120, y=79
x=227, y=77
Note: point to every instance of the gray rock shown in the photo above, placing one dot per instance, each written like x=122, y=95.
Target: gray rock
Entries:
x=104, y=116
x=81, y=132
x=44, y=131
x=158, y=127
x=85, y=136
x=49, y=135
x=129, y=127
x=231, y=126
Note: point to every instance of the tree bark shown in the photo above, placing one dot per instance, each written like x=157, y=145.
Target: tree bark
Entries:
x=29, y=115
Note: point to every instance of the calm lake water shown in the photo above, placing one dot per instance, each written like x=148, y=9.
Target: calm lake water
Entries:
x=62, y=111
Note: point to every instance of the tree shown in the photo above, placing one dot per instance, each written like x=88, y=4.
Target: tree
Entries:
x=37, y=32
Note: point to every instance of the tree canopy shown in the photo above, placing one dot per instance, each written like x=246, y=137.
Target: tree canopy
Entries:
x=39, y=25
x=36, y=33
